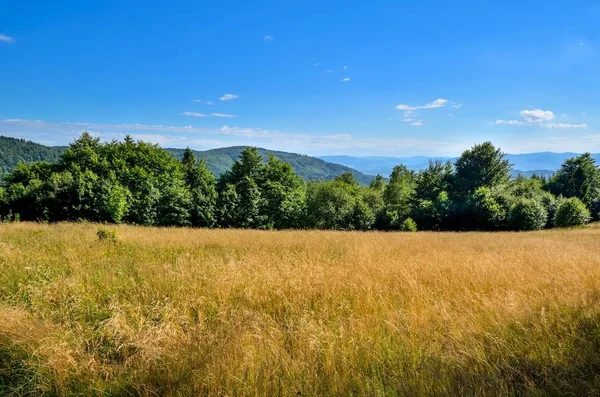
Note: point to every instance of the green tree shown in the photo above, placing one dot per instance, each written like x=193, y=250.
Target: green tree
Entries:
x=246, y=177
x=330, y=205
x=483, y=165
x=490, y=209
x=114, y=201
x=247, y=212
x=578, y=177
x=201, y=184
x=571, y=212
x=173, y=206
x=528, y=214
x=436, y=178
x=432, y=215
x=378, y=184
x=283, y=194
x=227, y=206
x=399, y=195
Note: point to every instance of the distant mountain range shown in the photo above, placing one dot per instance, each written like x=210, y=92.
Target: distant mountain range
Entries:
x=542, y=163
x=309, y=168
x=13, y=150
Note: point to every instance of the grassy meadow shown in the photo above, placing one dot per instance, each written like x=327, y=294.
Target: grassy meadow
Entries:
x=185, y=312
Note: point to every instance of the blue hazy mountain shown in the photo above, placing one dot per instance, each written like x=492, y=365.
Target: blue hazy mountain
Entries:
x=542, y=163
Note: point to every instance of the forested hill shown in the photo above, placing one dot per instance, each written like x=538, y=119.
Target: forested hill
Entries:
x=13, y=150
x=309, y=168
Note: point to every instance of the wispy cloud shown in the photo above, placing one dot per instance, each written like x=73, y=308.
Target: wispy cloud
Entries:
x=229, y=97
x=182, y=136
x=438, y=103
x=201, y=101
x=6, y=39
x=345, y=67
x=329, y=71
x=196, y=114
x=565, y=125
x=269, y=38
x=346, y=79
x=457, y=105
x=188, y=135
x=507, y=122
x=409, y=110
x=193, y=114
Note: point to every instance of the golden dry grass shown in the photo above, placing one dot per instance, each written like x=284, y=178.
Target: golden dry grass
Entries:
x=233, y=312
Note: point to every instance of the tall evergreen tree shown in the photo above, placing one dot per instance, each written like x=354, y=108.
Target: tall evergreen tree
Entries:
x=483, y=165
x=201, y=184
x=578, y=177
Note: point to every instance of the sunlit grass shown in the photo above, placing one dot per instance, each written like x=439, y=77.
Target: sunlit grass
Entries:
x=232, y=312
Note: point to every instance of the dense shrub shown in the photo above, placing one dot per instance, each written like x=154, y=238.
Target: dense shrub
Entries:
x=528, y=214
x=409, y=225
x=490, y=209
x=571, y=212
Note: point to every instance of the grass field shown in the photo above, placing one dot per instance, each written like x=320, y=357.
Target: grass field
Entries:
x=230, y=312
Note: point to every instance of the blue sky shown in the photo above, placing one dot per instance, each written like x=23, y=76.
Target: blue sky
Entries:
x=360, y=78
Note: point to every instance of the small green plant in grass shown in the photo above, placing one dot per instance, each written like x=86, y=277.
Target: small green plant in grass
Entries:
x=109, y=235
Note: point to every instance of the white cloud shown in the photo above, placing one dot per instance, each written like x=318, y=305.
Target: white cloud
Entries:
x=537, y=116
x=345, y=67
x=269, y=38
x=316, y=64
x=182, y=136
x=329, y=71
x=541, y=118
x=6, y=39
x=346, y=79
x=417, y=123
x=228, y=97
x=61, y=133
x=438, y=103
x=457, y=105
x=196, y=114
x=193, y=114
x=565, y=125
x=201, y=101
x=508, y=122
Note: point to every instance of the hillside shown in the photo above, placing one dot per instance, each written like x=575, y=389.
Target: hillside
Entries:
x=13, y=150
x=309, y=168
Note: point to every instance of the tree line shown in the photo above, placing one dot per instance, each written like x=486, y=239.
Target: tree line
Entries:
x=139, y=183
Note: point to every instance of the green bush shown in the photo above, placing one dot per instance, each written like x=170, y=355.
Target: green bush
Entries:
x=528, y=214
x=571, y=212
x=109, y=235
x=409, y=225
x=490, y=208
